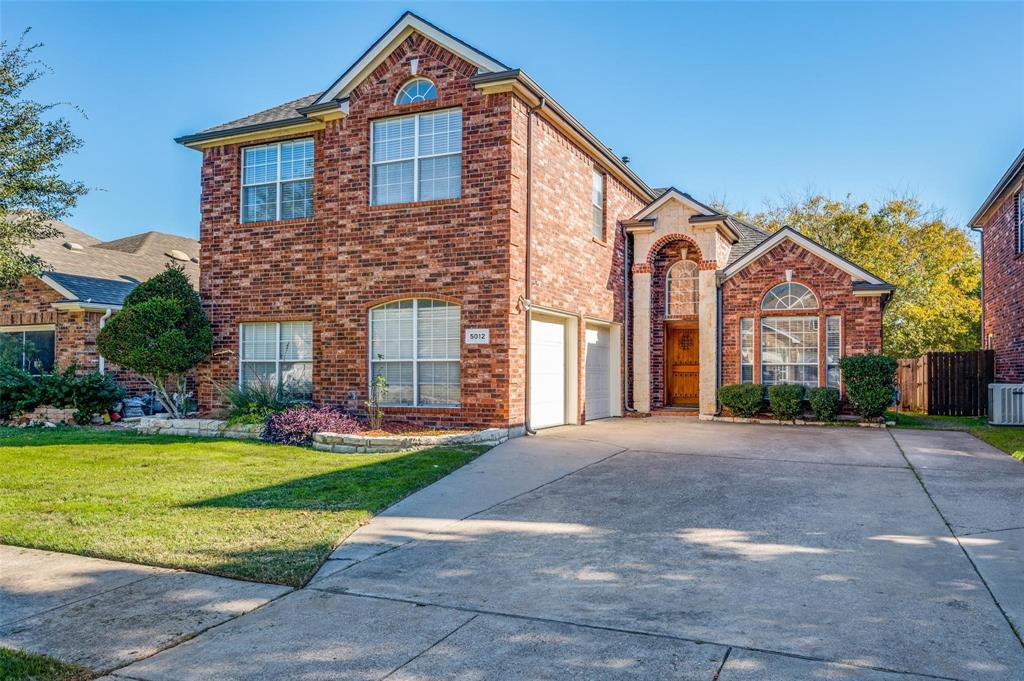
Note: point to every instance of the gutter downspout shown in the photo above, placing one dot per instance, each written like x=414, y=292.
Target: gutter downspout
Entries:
x=719, y=335
x=103, y=322
x=529, y=249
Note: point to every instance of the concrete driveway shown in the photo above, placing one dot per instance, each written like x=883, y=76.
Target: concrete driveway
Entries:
x=665, y=548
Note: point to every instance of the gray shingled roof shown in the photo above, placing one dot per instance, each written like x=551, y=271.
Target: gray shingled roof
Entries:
x=750, y=238
x=275, y=114
x=105, y=272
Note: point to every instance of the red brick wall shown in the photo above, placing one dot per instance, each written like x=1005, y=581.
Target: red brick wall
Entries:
x=861, y=316
x=350, y=256
x=1003, y=288
x=74, y=332
x=665, y=257
x=571, y=271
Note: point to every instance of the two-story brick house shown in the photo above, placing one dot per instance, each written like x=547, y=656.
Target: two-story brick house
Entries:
x=1000, y=221
x=435, y=217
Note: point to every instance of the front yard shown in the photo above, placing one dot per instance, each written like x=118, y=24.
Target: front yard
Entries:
x=1010, y=439
x=250, y=510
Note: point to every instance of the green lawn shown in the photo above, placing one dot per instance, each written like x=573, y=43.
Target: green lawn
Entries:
x=1010, y=439
x=268, y=513
x=18, y=666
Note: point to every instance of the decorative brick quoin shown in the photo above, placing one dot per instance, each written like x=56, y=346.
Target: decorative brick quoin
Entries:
x=436, y=218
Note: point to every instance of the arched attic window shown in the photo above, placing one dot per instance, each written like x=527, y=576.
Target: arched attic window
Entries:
x=789, y=296
x=681, y=292
x=416, y=90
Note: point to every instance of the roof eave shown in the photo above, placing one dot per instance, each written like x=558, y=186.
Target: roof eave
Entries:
x=201, y=140
x=1016, y=167
x=534, y=94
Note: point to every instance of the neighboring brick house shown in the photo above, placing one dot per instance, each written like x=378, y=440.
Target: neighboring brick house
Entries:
x=51, y=321
x=435, y=217
x=1000, y=221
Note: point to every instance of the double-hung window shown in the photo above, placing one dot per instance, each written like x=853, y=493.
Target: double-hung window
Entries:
x=277, y=181
x=277, y=355
x=597, y=205
x=789, y=350
x=27, y=347
x=1020, y=221
x=416, y=158
x=414, y=345
x=746, y=350
x=833, y=350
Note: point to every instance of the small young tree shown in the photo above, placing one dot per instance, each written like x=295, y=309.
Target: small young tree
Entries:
x=161, y=334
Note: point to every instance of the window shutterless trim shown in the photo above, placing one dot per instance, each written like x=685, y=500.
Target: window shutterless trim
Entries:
x=603, y=236
x=416, y=157
x=32, y=328
x=278, y=181
x=277, y=361
x=817, y=344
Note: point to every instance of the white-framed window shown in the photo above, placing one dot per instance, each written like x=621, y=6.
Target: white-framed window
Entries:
x=415, y=346
x=277, y=354
x=747, y=350
x=681, y=289
x=416, y=158
x=277, y=181
x=28, y=347
x=597, y=205
x=833, y=350
x=789, y=350
x=1020, y=222
x=416, y=90
x=789, y=296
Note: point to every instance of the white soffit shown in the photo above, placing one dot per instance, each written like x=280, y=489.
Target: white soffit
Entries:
x=787, y=233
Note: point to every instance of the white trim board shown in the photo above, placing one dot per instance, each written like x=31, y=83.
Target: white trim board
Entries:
x=790, y=234
x=407, y=25
x=672, y=193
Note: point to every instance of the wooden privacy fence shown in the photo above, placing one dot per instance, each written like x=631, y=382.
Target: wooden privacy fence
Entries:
x=946, y=383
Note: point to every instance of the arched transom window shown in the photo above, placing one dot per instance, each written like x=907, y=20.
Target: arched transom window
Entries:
x=789, y=296
x=416, y=90
x=682, y=294
x=414, y=345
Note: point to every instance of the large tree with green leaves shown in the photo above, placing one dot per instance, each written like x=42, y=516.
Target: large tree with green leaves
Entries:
x=933, y=264
x=161, y=334
x=33, y=143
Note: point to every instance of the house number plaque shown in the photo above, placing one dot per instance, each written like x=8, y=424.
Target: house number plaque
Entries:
x=478, y=336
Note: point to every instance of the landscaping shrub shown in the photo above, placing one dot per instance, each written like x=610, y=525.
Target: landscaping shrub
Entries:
x=824, y=403
x=19, y=392
x=296, y=426
x=786, y=400
x=94, y=393
x=870, y=381
x=742, y=399
x=255, y=402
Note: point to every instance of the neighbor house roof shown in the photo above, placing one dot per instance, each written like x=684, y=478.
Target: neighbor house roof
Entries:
x=86, y=270
x=1008, y=177
x=308, y=113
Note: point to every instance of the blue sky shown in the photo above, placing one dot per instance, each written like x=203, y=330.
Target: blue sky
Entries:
x=729, y=101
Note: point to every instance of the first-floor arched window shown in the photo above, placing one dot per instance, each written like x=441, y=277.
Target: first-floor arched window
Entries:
x=414, y=345
x=682, y=294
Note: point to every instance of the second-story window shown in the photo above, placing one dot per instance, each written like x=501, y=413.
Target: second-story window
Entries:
x=1020, y=222
x=597, y=201
x=416, y=158
x=277, y=181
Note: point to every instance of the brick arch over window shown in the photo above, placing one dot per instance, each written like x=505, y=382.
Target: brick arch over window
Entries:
x=664, y=241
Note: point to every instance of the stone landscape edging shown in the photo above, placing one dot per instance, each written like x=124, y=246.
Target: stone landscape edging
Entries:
x=374, y=444
x=155, y=425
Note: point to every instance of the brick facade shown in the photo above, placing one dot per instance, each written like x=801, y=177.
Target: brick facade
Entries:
x=861, y=325
x=668, y=254
x=1003, y=286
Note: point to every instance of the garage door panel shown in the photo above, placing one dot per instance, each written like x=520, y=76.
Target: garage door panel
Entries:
x=598, y=373
x=547, y=373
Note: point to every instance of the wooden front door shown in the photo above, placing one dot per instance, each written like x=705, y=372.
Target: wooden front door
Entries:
x=682, y=367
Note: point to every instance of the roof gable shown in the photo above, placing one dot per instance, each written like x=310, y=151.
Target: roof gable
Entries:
x=673, y=194
x=406, y=25
x=790, y=234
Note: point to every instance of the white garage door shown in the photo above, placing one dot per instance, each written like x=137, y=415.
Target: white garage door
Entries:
x=547, y=373
x=598, y=376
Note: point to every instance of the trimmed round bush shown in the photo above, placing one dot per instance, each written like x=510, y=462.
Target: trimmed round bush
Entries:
x=824, y=403
x=296, y=426
x=870, y=383
x=786, y=401
x=742, y=399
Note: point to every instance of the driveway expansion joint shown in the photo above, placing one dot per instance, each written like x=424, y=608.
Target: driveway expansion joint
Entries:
x=427, y=649
x=735, y=457
x=7, y=625
x=636, y=632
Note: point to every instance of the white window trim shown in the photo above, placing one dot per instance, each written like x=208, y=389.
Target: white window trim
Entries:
x=415, y=360
x=278, y=181
x=752, y=349
x=409, y=82
x=1019, y=220
x=416, y=157
x=668, y=289
x=277, y=353
x=817, y=344
x=824, y=380
x=604, y=202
